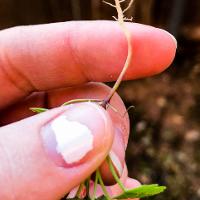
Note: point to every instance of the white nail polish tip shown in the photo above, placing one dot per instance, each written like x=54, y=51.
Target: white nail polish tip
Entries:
x=74, y=140
x=116, y=162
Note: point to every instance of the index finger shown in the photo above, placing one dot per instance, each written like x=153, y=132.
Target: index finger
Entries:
x=44, y=57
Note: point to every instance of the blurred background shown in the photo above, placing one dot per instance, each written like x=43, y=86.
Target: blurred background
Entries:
x=164, y=146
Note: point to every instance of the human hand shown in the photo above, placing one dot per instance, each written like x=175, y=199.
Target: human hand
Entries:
x=56, y=62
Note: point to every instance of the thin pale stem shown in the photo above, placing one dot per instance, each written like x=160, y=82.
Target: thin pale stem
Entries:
x=87, y=184
x=81, y=100
x=110, y=4
x=129, y=5
x=129, y=108
x=129, y=56
x=103, y=186
x=79, y=190
x=115, y=174
x=112, y=108
x=115, y=18
x=95, y=187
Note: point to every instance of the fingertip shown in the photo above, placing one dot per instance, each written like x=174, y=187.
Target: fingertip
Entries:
x=86, y=147
x=46, y=177
x=132, y=183
x=117, y=158
x=167, y=45
x=153, y=50
x=80, y=134
x=172, y=38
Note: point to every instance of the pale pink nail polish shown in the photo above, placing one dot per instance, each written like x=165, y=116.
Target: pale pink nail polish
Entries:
x=67, y=142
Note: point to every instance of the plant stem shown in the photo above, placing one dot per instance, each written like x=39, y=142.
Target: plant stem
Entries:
x=102, y=185
x=110, y=164
x=80, y=101
x=95, y=187
x=129, y=5
x=87, y=185
x=129, y=56
x=79, y=190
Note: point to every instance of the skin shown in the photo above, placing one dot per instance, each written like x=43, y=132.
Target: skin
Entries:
x=47, y=65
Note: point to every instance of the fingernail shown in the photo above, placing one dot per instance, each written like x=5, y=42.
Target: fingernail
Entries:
x=66, y=141
x=116, y=162
x=173, y=38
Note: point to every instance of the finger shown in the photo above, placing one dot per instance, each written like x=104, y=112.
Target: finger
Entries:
x=21, y=109
x=116, y=190
x=63, y=54
x=90, y=91
x=96, y=91
x=35, y=163
x=129, y=183
x=117, y=157
x=57, y=97
x=113, y=190
x=132, y=183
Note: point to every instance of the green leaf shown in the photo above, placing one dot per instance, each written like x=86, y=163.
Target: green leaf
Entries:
x=38, y=110
x=142, y=191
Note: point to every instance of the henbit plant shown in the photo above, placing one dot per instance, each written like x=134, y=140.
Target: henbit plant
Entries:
x=143, y=190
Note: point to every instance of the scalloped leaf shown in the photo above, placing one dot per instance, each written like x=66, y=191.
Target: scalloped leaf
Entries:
x=142, y=191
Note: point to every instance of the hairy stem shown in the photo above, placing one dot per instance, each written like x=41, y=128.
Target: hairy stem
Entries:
x=129, y=56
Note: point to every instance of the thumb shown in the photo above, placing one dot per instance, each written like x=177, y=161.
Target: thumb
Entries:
x=45, y=156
